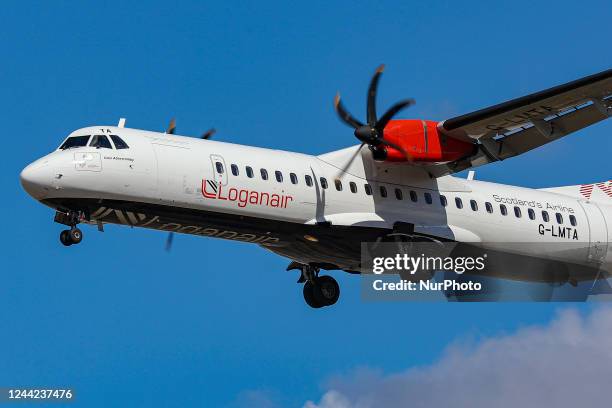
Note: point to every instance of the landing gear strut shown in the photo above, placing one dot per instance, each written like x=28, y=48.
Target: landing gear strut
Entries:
x=73, y=235
x=319, y=291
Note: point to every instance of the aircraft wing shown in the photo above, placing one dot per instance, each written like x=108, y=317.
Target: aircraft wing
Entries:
x=522, y=124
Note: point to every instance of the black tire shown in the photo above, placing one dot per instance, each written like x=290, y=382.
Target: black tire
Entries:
x=65, y=238
x=309, y=296
x=76, y=235
x=326, y=290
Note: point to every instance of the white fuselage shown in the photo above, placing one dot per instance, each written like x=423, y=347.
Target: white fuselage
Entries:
x=180, y=172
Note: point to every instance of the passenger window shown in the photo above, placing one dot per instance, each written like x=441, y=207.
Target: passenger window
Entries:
x=443, y=201
x=545, y=216
x=249, y=171
x=517, y=212
x=531, y=213
x=323, y=182
x=100, y=142
x=559, y=218
x=503, y=209
x=338, y=184
x=428, y=199
x=308, y=180
x=413, y=196
x=398, y=194
x=458, y=203
x=474, y=205
x=74, y=141
x=279, y=176
x=489, y=207
x=264, y=174
x=293, y=178
x=573, y=220
x=368, y=189
x=353, y=187
x=234, y=169
x=119, y=143
x=383, y=191
x=219, y=167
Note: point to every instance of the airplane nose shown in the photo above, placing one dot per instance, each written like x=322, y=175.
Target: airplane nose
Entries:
x=35, y=179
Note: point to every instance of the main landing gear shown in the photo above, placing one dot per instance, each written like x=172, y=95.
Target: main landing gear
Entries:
x=319, y=291
x=73, y=235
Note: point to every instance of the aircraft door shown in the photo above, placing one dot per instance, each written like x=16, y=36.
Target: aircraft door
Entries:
x=219, y=169
x=598, y=232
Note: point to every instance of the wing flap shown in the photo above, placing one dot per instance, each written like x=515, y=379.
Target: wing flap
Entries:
x=547, y=131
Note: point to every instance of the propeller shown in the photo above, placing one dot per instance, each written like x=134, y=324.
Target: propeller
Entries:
x=169, y=241
x=371, y=133
x=170, y=130
x=208, y=134
x=171, y=127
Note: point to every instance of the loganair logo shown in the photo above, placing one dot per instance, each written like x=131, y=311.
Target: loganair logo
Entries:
x=214, y=190
x=586, y=190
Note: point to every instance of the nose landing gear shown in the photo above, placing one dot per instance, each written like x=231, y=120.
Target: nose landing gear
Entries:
x=71, y=236
x=319, y=291
x=72, y=219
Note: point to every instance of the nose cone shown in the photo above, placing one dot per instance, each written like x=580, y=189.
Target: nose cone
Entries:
x=36, y=179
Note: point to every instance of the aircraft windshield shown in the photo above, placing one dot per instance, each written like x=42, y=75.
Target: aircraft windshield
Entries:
x=74, y=141
x=119, y=143
x=100, y=141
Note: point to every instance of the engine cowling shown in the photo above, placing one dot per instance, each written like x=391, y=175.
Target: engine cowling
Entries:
x=422, y=142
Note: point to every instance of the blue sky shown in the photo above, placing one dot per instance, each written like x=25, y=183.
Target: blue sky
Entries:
x=218, y=323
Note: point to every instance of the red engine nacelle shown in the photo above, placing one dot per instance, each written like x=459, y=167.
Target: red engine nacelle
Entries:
x=423, y=143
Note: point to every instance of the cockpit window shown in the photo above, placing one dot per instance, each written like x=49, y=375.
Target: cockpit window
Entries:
x=100, y=141
x=119, y=143
x=74, y=141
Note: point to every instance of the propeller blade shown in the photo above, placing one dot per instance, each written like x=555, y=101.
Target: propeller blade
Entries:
x=393, y=110
x=208, y=134
x=372, y=132
x=169, y=241
x=396, y=147
x=171, y=127
x=344, y=115
x=348, y=164
x=372, y=90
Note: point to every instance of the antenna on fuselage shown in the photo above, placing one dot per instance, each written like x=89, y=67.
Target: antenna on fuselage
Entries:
x=121, y=123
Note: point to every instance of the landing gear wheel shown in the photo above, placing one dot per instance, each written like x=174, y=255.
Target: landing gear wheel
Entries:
x=309, y=296
x=75, y=235
x=318, y=290
x=65, y=238
x=327, y=290
x=324, y=291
